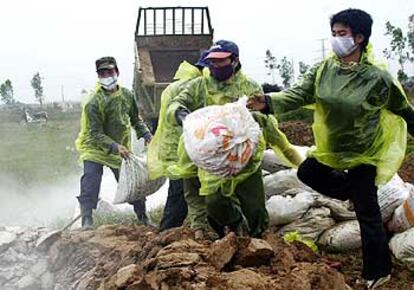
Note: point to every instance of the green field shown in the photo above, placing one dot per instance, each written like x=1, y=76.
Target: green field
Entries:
x=36, y=153
x=39, y=171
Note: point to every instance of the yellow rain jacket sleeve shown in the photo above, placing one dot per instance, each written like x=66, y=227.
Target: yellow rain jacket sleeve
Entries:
x=201, y=92
x=359, y=115
x=162, y=151
x=107, y=119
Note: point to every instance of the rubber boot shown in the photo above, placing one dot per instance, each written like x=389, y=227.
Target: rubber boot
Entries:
x=219, y=229
x=87, y=220
x=241, y=229
x=139, y=209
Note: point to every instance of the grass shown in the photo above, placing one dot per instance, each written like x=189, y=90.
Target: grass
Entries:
x=155, y=214
x=114, y=218
x=39, y=152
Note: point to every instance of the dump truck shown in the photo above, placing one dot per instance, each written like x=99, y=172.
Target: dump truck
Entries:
x=164, y=37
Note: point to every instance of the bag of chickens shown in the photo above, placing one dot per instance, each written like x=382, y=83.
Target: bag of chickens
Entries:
x=221, y=139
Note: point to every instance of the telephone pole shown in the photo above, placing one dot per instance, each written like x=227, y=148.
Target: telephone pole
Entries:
x=323, y=49
x=63, y=95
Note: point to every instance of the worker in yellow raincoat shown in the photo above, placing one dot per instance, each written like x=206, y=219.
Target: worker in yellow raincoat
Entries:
x=162, y=151
x=360, y=123
x=105, y=136
x=234, y=203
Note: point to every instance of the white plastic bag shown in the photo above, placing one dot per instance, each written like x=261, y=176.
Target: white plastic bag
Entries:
x=342, y=237
x=134, y=182
x=339, y=209
x=312, y=224
x=221, y=139
x=272, y=163
x=402, y=246
x=403, y=217
x=391, y=195
x=283, y=210
x=281, y=181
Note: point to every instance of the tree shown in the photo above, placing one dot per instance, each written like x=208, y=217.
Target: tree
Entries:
x=271, y=65
x=400, y=45
x=303, y=68
x=38, y=88
x=410, y=33
x=7, y=93
x=286, y=71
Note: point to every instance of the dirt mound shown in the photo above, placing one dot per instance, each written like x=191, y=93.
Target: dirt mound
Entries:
x=300, y=133
x=137, y=257
x=407, y=169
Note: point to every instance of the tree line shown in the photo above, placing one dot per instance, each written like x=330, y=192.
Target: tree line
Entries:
x=7, y=91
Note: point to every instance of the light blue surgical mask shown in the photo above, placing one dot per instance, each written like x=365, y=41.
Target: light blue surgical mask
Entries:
x=109, y=83
x=343, y=45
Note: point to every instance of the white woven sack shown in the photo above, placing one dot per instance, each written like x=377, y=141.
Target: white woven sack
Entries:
x=134, y=183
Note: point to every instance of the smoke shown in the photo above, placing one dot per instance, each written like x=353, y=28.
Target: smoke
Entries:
x=45, y=204
x=36, y=205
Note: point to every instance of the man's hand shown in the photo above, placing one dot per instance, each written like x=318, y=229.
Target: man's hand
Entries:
x=147, y=138
x=123, y=151
x=257, y=103
x=180, y=115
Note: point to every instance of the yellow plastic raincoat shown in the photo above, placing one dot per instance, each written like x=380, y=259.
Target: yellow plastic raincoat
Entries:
x=106, y=119
x=359, y=113
x=162, y=151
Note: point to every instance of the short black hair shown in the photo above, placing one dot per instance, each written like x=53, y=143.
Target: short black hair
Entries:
x=358, y=20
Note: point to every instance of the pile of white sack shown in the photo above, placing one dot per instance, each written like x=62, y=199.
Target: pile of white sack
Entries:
x=332, y=223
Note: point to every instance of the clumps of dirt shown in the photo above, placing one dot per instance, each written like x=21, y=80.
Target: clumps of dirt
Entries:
x=298, y=133
x=138, y=257
x=406, y=171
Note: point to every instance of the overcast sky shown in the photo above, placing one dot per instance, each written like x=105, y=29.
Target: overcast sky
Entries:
x=62, y=39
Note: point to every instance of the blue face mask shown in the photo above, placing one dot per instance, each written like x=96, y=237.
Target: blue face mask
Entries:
x=343, y=45
x=222, y=73
x=109, y=83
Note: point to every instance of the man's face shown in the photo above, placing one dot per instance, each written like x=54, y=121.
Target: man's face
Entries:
x=219, y=62
x=106, y=73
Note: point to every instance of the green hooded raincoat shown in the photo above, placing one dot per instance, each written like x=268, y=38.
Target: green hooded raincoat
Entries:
x=359, y=113
x=107, y=119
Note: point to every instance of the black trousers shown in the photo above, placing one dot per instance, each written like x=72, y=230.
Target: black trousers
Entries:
x=358, y=185
x=175, y=210
x=90, y=186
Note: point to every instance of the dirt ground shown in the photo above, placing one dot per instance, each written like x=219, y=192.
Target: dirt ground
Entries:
x=138, y=257
x=350, y=265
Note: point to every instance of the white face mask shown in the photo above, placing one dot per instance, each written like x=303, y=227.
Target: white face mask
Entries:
x=343, y=45
x=109, y=83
